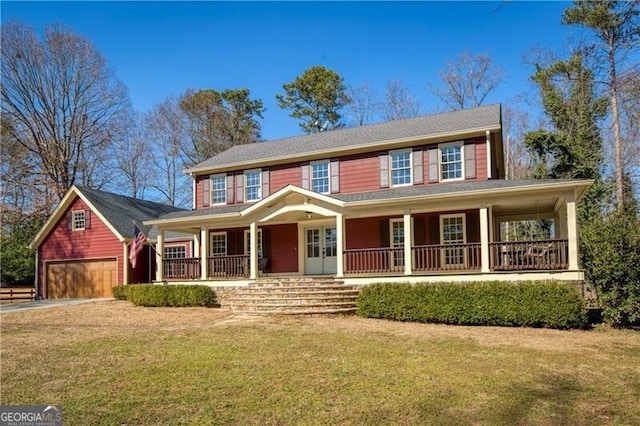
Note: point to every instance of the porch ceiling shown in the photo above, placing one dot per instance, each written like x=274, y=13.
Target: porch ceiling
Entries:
x=532, y=206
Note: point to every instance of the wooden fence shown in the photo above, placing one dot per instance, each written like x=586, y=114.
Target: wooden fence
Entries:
x=17, y=294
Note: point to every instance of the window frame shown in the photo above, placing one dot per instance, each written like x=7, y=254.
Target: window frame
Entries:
x=212, y=189
x=312, y=179
x=459, y=144
x=75, y=220
x=258, y=186
x=212, y=237
x=410, y=167
x=173, y=256
x=463, y=251
x=247, y=250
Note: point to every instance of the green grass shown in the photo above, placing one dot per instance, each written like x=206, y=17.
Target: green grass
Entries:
x=206, y=369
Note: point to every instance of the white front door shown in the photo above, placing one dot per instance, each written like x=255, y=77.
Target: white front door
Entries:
x=321, y=250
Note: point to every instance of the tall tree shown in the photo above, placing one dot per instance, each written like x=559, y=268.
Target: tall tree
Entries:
x=399, y=102
x=133, y=158
x=467, y=80
x=316, y=98
x=62, y=99
x=616, y=25
x=166, y=129
x=220, y=120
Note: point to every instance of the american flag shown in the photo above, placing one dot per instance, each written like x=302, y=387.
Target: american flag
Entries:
x=136, y=246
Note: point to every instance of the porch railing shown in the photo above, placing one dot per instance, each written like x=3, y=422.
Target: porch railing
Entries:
x=181, y=268
x=231, y=266
x=446, y=257
x=529, y=255
x=374, y=260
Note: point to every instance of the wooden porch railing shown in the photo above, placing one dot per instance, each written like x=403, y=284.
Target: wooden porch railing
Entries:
x=446, y=257
x=529, y=255
x=185, y=268
x=231, y=266
x=374, y=260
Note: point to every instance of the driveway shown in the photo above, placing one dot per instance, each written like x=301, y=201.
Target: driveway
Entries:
x=43, y=304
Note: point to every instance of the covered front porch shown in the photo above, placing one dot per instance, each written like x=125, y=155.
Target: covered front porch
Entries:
x=298, y=232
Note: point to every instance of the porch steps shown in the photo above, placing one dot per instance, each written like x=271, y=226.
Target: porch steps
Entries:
x=295, y=296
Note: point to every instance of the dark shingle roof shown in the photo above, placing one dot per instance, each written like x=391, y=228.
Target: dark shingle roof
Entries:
x=121, y=211
x=354, y=137
x=395, y=193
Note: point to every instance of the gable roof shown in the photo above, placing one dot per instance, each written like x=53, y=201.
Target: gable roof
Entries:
x=479, y=119
x=118, y=212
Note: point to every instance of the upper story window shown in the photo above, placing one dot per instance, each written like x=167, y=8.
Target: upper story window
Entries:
x=252, y=185
x=400, y=167
x=218, y=189
x=320, y=180
x=451, y=161
x=78, y=221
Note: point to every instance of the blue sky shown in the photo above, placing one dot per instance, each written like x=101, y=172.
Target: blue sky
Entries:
x=158, y=48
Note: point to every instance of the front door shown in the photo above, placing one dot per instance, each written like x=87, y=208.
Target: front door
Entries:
x=320, y=253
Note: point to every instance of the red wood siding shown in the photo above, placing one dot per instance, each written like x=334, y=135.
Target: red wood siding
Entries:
x=284, y=248
x=364, y=233
x=481, y=159
x=284, y=175
x=98, y=242
x=359, y=173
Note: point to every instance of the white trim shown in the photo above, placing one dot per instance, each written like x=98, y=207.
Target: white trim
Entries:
x=73, y=220
x=400, y=151
x=462, y=171
x=244, y=186
x=211, y=198
x=226, y=243
x=488, y=139
x=328, y=164
x=247, y=232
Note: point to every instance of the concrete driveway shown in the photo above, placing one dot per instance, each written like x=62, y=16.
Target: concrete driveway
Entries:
x=43, y=304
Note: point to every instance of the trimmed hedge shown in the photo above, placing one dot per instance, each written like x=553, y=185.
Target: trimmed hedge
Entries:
x=534, y=304
x=171, y=295
x=120, y=292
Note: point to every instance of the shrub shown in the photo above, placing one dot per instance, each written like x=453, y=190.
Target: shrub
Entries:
x=534, y=304
x=171, y=295
x=120, y=292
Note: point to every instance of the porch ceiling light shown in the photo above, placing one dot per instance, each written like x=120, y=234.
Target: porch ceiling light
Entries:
x=309, y=215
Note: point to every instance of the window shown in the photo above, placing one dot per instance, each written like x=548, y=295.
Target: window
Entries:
x=452, y=228
x=397, y=241
x=320, y=177
x=218, y=189
x=77, y=220
x=252, y=185
x=400, y=167
x=451, y=156
x=218, y=244
x=175, y=252
x=247, y=242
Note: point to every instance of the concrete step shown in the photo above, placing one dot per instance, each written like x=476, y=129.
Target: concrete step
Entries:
x=293, y=291
x=302, y=300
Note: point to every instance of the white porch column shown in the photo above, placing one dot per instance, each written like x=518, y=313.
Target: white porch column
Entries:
x=196, y=245
x=125, y=263
x=253, y=240
x=340, y=245
x=572, y=232
x=204, y=249
x=484, y=239
x=408, y=233
x=159, y=252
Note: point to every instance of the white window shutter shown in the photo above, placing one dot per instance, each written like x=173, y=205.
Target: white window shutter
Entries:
x=433, y=165
x=417, y=166
x=230, y=189
x=335, y=176
x=305, y=176
x=265, y=183
x=240, y=188
x=206, y=192
x=470, y=161
x=384, y=170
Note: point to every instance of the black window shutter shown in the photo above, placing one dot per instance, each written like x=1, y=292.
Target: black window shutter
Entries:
x=87, y=219
x=69, y=221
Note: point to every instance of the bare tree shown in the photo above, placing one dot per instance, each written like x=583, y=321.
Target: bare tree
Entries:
x=467, y=80
x=166, y=128
x=364, y=105
x=134, y=158
x=62, y=99
x=516, y=123
x=398, y=101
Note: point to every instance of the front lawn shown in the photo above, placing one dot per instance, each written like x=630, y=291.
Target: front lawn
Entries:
x=112, y=363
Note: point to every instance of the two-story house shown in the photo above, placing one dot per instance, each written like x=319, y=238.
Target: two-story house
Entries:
x=419, y=199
